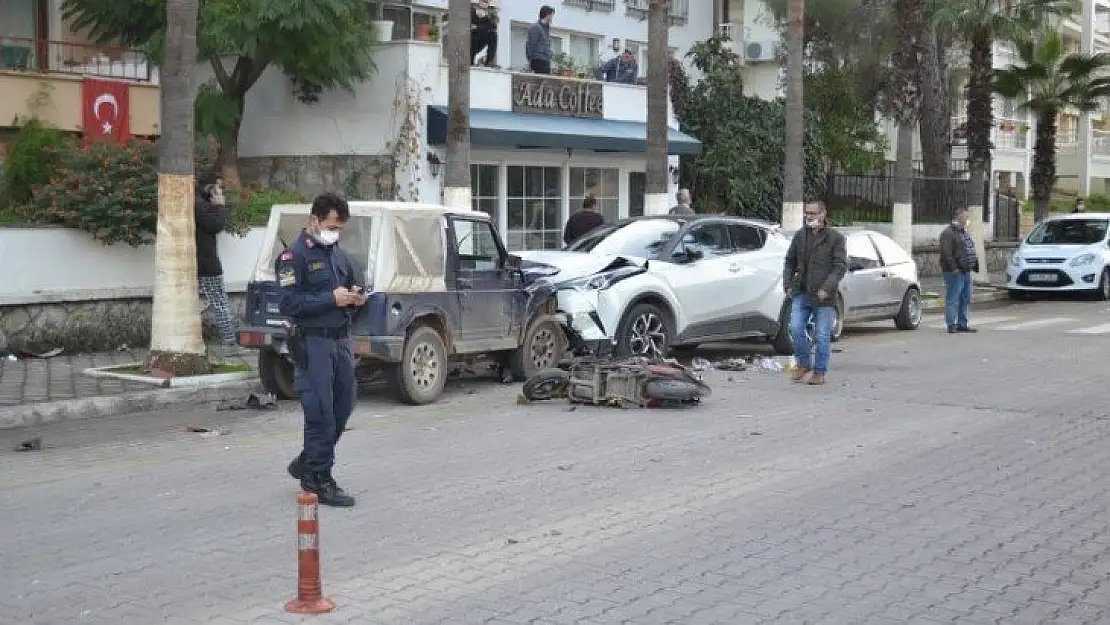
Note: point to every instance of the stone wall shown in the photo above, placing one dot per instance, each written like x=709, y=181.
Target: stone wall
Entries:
x=357, y=177
x=928, y=258
x=93, y=326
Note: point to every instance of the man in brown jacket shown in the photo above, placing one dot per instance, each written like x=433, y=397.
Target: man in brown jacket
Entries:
x=815, y=264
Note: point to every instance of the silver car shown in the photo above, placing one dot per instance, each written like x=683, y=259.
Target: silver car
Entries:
x=881, y=283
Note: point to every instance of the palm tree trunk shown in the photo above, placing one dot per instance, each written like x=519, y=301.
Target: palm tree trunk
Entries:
x=176, y=342
x=794, y=166
x=656, y=196
x=901, y=193
x=456, y=181
x=1043, y=176
x=980, y=120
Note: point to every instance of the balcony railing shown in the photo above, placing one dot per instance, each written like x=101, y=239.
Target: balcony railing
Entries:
x=1007, y=134
x=74, y=59
x=593, y=5
x=1100, y=142
x=680, y=9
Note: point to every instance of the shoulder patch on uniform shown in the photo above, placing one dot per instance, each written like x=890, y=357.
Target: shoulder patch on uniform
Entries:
x=286, y=255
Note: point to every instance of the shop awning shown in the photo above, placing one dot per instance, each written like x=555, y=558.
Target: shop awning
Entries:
x=489, y=128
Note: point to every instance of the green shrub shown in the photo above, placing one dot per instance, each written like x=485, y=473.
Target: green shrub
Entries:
x=250, y=206
x=107, y=190
x=31, y=156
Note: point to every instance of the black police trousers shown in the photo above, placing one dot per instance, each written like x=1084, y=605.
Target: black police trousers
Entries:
x=326, y=383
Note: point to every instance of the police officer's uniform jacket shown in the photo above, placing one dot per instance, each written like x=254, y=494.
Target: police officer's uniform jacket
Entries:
x=308, y=273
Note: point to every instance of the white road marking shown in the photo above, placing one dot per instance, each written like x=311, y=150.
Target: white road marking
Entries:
x=1036, y=323
x=978, y=321
x=1102, y=329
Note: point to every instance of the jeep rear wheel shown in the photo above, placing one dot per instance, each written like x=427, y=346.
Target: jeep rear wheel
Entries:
x=276, y=374
x=542, y=348
x=422, y=373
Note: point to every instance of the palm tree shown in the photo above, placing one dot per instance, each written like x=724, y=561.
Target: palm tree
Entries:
x=659, y=21
x=981, y=23
x=176, y=342
x=456, y=178
x=794, y=164
x=1053, y=81
x=903, y=104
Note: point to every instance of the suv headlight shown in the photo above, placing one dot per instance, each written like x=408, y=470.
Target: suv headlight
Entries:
x=601, y=281
x=1015, y=260
x=1082, y=259
x=591, y=283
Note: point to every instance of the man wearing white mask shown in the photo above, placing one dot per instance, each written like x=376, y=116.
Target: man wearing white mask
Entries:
x=320, y=294
x=815, y=264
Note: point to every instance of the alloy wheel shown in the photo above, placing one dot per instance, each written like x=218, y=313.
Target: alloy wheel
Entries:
x=424, y=366
x=647, y=336
x=544, y=348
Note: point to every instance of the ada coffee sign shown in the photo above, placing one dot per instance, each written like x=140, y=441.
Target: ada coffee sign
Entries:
x=548, y=95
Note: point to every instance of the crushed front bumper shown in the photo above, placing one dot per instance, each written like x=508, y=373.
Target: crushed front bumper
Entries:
x=594, y=315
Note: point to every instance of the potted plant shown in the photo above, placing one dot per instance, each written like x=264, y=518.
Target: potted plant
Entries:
x=381, y=27
x=563, y=64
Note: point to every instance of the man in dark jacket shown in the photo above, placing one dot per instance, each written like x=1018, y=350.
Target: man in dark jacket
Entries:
x=211, y=216
x=957, y=261
x=815, y=264
x=537, y=47
x=583, y=221
x=622, y=69
x=483, y=32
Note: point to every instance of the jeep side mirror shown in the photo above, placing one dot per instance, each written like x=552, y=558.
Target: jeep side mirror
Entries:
x=512, y=261
x=855, y=265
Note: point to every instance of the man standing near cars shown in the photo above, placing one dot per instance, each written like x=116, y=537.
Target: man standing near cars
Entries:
x=958, y=261
x=537, y=47
x=583, y=221
x=683, y=206
x=210, y=210
x=319, y=293
x=815, y=264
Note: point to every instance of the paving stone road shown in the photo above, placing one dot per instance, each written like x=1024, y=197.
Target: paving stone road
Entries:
x=937, y=479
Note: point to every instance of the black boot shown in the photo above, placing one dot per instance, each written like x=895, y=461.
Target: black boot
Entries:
x=326, y=490
x=296, y=468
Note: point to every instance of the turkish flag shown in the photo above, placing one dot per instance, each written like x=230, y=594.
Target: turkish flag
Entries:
x=106, y=110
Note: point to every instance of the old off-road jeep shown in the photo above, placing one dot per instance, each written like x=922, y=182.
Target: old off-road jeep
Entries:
x=443, y=292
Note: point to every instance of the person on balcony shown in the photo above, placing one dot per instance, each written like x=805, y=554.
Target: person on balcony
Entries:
x=623, y=69
x=537, y=48
x=483, y=33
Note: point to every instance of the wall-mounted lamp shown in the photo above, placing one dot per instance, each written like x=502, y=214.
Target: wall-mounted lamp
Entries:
x=434, y=164
x=675, y=173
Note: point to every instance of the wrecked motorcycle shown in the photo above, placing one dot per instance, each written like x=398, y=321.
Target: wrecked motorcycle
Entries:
x=590, y=377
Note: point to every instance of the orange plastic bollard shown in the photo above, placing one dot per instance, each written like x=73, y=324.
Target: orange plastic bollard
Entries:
x=310, y=598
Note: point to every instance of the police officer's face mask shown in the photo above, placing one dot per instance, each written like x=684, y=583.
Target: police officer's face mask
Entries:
x=323, y=235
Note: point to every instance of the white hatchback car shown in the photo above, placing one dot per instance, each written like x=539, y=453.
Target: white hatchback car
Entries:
x=1065, y=253
x=650, y=283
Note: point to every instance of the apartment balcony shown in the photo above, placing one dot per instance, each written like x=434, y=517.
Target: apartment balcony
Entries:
x=1068, y=155
x=679, y=10
x=43, y=77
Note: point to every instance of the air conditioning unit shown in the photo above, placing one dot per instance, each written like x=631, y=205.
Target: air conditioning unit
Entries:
x=757, y=51
x=725, y=30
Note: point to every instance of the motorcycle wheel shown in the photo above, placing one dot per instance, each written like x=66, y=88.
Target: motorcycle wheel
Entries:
x=671, y=390
x=547, y=384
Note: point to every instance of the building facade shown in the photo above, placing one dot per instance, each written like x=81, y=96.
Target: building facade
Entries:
x=1083, y=144
x=50, y=71
x=539, y=143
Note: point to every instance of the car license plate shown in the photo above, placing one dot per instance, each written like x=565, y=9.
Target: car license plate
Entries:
x=1042, y=277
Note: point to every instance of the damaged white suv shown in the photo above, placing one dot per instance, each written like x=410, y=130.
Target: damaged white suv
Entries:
x=647, y=284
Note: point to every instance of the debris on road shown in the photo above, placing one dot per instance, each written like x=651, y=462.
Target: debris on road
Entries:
x=208, y=433
x=732, y=364
x=47, y=354
x=267, y=401
x=31, y=444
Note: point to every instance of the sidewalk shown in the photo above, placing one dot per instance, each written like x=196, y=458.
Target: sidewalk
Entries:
x=40, y=390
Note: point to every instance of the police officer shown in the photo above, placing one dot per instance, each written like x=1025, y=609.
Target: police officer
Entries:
x=319, y=293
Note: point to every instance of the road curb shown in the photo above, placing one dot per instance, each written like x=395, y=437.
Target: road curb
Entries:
x=40, y=413
x=982, y=296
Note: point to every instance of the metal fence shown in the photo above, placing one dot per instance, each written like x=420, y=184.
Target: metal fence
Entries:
x=1007, y=218
x=867, y=198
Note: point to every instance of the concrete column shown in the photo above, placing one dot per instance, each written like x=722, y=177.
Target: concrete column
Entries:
x=1083, y=148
